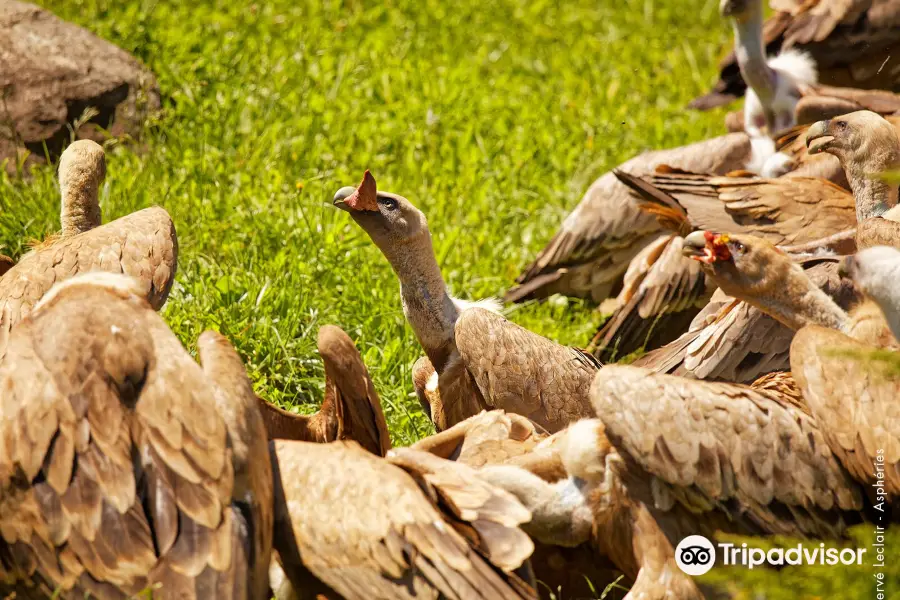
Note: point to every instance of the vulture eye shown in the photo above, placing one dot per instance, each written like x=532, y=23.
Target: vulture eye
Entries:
x=739, y=248
x=389, y=203
x=842, y=125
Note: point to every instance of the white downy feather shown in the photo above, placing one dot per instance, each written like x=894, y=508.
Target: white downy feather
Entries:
x=490, y=304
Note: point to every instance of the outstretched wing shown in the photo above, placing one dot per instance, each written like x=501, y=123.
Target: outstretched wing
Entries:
x=663, y=291
x=786, y=210
x=522, y=372
x=728, y=340
x=853, y=396
x=732, y=341
x=589, y=253
x=350, y=394
x=366, y=529
x=742, y=458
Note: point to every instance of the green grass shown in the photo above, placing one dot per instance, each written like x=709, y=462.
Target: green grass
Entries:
x=815, y=582
x=493, y=117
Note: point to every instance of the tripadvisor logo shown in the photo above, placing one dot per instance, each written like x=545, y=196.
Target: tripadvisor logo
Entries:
x=695, y=555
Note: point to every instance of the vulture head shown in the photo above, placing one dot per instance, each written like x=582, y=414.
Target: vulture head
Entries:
x=864, y=142
x=742, y=265
x=82, y=169
x=390, y=220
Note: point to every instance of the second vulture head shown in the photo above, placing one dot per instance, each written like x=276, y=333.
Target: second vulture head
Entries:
x=740, y=264
x=856, y=138
x=389, y=219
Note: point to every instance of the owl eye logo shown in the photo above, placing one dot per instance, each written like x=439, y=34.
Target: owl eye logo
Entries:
x=695, y=555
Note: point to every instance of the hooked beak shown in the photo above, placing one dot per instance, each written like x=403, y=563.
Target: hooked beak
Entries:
x=694, y=245
x=818, y=138
x=361, y=198
x=705, y=247
x=341, y=195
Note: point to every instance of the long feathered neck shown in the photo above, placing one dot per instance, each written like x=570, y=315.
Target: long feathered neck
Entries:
x=751, y=54
x=873, y=196
x=796, y=302
x=426, y=304
x=80, y=207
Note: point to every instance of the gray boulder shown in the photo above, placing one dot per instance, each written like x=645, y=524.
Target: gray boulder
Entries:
x=52, y=72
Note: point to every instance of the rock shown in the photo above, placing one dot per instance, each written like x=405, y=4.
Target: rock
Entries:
x=51, y=72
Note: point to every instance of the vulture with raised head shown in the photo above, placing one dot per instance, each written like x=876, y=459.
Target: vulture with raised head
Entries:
x=753, y=270
x=731, y=340
x=590, y=256
x=482, y=361
x=411, y=526
x=849, y=44
x=110, y=484
x=351, y=409
x=141, y=245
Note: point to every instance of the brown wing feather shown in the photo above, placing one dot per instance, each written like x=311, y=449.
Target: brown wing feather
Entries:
x=522, y=372
x=142, y=245
x=356, y=403
x=109, y=481
x=422, y=372
x=236, y=402
x=787, y=210
x=284, y=425
x=738, y=459
x=589, y=254
x=732, y=341
x=492, y=512
x=855, y=401
x=351, y=409
x=783, y=385
x=366, y=529
x=662, y=293
x=878, y=231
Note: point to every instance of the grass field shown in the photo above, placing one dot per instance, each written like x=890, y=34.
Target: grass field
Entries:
x=493, y=117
